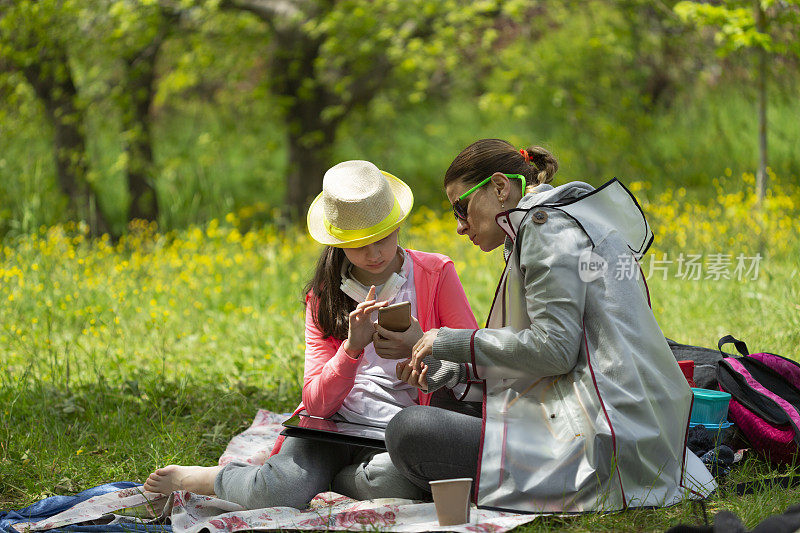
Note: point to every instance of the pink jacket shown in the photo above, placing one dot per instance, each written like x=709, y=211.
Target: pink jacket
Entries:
x=329, y=372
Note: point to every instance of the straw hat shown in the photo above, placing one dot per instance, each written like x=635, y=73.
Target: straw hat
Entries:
x=359, y=204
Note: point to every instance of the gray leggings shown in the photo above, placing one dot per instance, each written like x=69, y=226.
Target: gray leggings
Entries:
x=304, y=468
x=429, y=443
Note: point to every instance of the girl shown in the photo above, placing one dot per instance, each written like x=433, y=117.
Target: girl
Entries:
x=361, y=269
x=585, y=408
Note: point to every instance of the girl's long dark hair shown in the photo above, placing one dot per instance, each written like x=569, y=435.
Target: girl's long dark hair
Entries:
x=333, y=306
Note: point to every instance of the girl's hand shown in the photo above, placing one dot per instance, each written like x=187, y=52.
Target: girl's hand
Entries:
x=396, y=344
x=415, y=378
x=360, y=328
x=422, y=349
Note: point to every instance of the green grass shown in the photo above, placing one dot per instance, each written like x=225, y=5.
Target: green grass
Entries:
x=158, y=349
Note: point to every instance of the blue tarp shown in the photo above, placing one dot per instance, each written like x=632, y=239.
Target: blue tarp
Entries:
x=56, y=504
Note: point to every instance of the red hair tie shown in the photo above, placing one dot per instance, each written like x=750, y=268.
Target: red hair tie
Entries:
x=524, y=153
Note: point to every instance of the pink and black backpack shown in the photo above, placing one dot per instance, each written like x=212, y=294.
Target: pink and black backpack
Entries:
x=765, y=399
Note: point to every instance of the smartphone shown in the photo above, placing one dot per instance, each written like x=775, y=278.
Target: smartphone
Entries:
x=395, y=317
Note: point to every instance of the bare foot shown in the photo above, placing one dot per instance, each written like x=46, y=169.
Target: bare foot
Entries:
x=197, y=479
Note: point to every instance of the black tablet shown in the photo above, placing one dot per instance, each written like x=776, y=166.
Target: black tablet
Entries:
x=336, y=429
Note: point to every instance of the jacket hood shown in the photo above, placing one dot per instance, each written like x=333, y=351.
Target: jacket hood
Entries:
x=611, y=207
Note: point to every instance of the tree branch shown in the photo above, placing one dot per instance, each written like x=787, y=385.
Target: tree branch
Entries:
x=6, y=66
x=267, y=10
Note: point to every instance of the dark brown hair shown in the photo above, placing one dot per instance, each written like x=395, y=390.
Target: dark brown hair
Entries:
x=331, y=314
x=483, y=158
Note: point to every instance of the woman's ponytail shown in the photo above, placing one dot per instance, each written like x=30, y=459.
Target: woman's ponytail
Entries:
x=544, y=163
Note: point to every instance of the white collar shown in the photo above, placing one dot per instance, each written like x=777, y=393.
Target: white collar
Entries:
x=358, y=292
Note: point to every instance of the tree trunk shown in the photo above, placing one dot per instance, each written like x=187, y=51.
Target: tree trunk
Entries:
x=52, y=82
x=308, y=99
x=308, y=162
x=761, y=176
x=137, y=125
x=310, y=136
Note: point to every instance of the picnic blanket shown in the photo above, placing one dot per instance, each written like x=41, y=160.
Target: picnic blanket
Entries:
x=56, y=504
x=185, y=512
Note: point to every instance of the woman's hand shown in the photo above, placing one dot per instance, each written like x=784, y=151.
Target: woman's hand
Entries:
x=361, y=328
x=422, y=349
x=415, y=378
x=396, y=344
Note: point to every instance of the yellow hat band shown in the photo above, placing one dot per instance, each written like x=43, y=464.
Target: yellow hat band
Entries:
x=353, y=234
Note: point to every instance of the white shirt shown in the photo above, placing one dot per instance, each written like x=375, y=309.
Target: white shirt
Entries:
x=377, y=395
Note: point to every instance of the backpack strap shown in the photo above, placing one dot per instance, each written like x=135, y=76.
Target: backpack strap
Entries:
x=739, y=345
x=736, y=379
x=762, y=390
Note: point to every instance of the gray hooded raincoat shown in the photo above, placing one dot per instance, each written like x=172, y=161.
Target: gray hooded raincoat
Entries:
x=585, y=408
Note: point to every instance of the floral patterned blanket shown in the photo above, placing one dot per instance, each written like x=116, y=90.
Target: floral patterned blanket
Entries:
x=190, y=513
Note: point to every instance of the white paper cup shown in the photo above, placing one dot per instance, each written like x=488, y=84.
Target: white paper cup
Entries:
x=451, y=498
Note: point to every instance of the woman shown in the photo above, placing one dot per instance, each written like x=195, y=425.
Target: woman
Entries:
x=361, y=269
x=585, y=408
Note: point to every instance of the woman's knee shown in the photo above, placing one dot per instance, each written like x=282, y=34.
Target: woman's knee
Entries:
x=409, y=428
x=428, y=441
x=417, y=434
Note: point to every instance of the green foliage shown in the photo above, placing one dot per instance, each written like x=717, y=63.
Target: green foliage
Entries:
x=628, y=66
x=769, y=27
x=622, y=87
x=737, y=28
x=28, y=195
x=421, y=42
x=217, y=158
x=321, y=61
x=28, y=26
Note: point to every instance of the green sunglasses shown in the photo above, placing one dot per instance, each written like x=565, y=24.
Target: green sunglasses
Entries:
x=460, y=209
